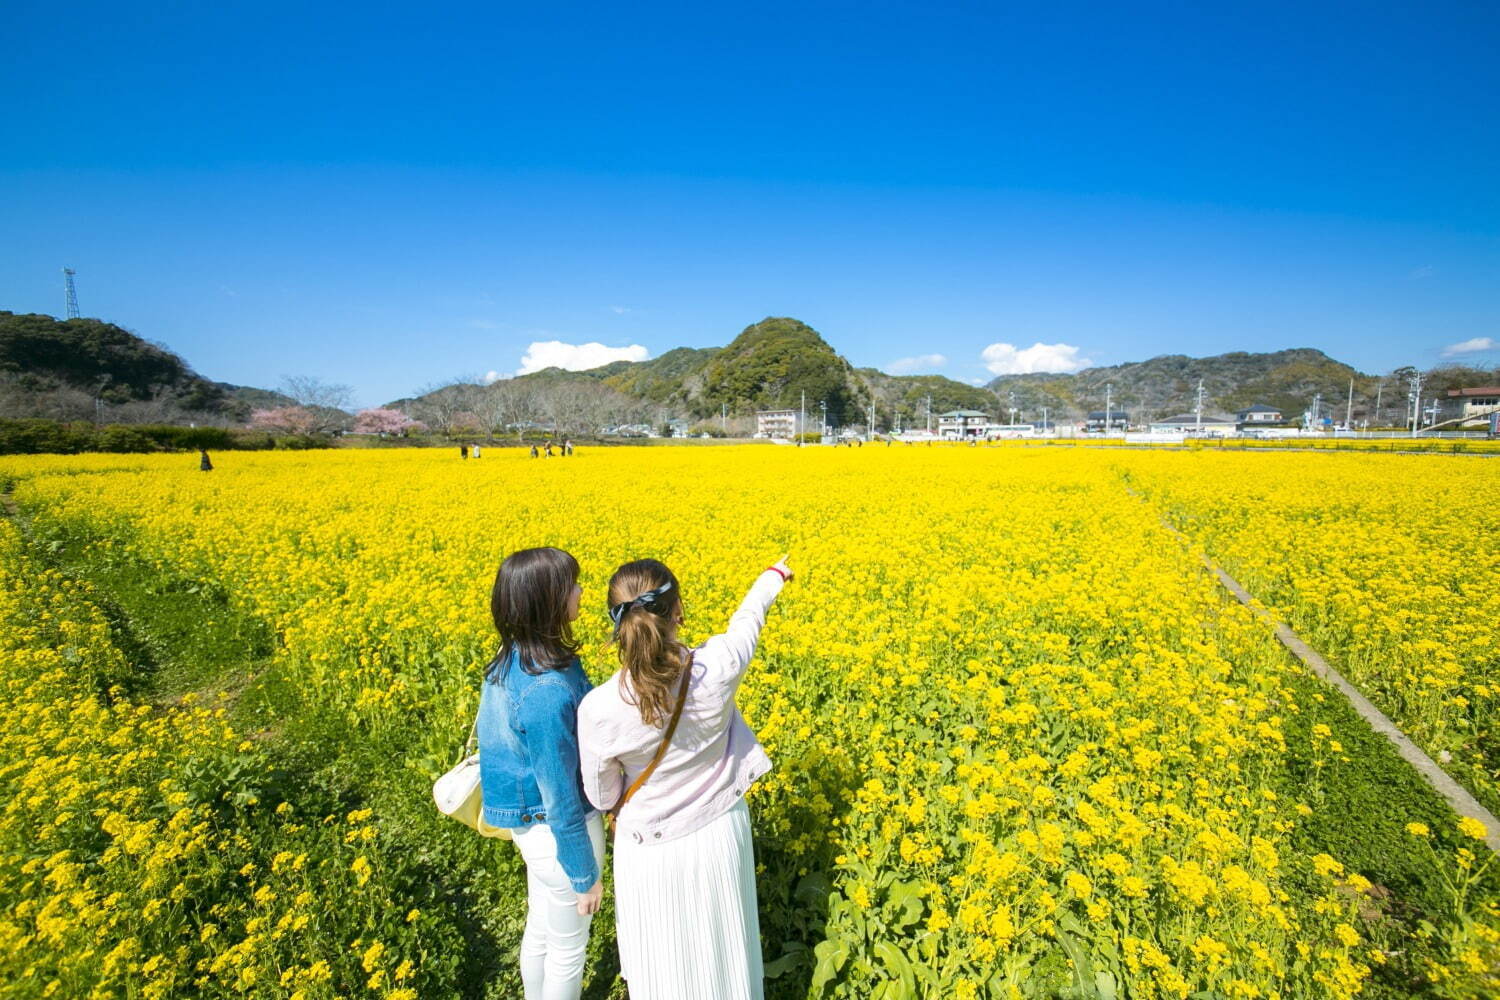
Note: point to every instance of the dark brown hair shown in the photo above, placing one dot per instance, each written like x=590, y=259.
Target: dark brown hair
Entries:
x=529, y=603
x=650, y=655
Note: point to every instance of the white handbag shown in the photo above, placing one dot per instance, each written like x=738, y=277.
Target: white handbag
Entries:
x=459, y=794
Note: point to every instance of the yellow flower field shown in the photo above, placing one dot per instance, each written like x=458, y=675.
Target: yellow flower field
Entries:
x=1392, y=570
x=1023, y=745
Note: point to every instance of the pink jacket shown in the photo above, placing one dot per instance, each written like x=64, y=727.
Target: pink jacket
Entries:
x=713, y=758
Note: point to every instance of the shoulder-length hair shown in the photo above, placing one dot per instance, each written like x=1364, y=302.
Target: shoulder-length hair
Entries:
x=529, y=603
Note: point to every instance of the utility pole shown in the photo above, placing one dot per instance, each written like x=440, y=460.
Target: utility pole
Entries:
x=870, y=434
x=1198, y=426
x=1379, y=388
x=929, y=415
x=1317, y=407
x=72, y=293
x=1416, y=401
x=802, y=421
x=823, y=431
x=1349, y=411
x=1046, y=428
x=724, y=417
x=1109, y=388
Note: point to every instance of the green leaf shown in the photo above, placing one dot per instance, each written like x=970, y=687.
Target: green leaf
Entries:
x=896, y=964
x=786, y=963
x=831, y=958
x=813, y=889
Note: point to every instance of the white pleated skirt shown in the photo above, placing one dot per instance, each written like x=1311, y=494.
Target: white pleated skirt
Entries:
x=685, y=914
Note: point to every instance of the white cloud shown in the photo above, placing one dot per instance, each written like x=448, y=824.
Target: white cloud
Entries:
x=1471, y=346
x=493, y=376
x=576, y=357
x=905, y=366
x=1425, y=271
x=1006, y=359
x=619, y=310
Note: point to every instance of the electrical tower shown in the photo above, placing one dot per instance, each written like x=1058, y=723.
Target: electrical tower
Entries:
x=68, y=273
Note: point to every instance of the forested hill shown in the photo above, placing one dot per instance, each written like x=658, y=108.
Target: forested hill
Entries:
x=772, y=364
x=1287, y=380
x=42, y=358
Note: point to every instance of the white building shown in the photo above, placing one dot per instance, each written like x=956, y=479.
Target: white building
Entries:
x=959, y=424
x=1188, y=423
x=1260, y=414
x=776, y=424
x=1478, y=402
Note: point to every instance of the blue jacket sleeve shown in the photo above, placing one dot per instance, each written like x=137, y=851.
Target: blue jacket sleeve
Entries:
x=551, y=734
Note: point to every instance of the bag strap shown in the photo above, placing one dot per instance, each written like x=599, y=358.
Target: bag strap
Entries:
x=661, y=751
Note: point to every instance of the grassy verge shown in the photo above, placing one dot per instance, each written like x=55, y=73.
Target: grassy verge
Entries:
x=1364, y=796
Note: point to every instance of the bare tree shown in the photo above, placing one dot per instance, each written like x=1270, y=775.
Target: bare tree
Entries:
x=312, y=392
x=444, y=404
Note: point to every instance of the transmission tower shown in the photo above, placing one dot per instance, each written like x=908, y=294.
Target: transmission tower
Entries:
x=68, y=273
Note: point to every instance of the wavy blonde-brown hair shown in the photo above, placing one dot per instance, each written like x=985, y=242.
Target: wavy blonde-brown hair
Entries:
x=646, y=638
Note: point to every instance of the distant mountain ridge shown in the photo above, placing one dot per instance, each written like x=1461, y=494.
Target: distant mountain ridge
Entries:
x=773, y=362
x=62, y=367
x=1288, y=380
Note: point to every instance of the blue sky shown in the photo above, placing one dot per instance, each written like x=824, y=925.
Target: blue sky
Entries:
x=390, y=195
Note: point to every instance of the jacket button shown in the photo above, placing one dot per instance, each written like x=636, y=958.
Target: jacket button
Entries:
x=657, y=835
x=526, y=818
x=539, y=817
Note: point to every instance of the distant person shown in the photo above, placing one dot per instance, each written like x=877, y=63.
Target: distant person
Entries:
x=476, y=450
x=534, y=452
x=548, y=449
x=463, y=451
x=204, y=465
x=567, y=446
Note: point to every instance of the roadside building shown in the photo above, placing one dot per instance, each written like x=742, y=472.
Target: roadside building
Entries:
x=959, y=424
x=781, y=424
x=1118, y=420
x=1259, y=414
x=1188, y=423
x=1477, y=403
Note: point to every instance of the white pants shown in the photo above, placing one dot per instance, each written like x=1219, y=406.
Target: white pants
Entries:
x=556, y=937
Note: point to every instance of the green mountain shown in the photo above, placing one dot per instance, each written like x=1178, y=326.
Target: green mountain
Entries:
x=39, y=354
x=1288, y=380
x=775, y=364
x=772, y=363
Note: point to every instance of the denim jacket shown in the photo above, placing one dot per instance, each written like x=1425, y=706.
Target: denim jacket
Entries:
x=528, y=759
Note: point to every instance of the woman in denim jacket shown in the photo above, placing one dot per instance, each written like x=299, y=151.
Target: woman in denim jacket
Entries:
x=528, y=765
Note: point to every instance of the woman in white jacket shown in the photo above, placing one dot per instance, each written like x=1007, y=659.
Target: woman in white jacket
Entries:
x=684, y=863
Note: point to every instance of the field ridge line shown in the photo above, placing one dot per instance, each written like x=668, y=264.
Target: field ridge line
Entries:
x=1456, y=795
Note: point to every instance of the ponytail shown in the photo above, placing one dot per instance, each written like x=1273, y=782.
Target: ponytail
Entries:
x=645, y=603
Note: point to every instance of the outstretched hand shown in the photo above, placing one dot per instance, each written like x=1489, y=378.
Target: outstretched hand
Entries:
x=780, y=564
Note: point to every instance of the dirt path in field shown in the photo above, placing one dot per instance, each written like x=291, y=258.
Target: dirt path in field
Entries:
x=1455, y=794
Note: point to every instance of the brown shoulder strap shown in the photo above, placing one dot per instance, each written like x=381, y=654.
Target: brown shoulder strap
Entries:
x=666, y=739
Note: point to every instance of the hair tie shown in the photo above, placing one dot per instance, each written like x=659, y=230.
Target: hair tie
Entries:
x=650, y=600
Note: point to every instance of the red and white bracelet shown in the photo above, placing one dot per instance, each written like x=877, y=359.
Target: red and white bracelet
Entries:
x=778, y=571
